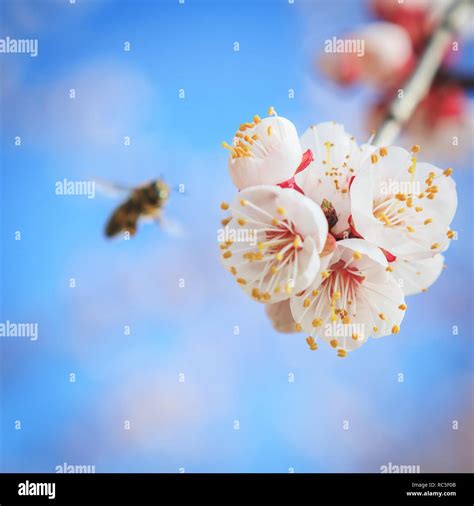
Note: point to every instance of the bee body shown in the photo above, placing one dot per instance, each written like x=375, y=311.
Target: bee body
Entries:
x=146, y=200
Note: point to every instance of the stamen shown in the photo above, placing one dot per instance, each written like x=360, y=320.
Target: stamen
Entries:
x=311, y=343
x=448, y=172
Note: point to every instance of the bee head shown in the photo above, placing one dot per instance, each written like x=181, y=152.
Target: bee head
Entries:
x=162, y=189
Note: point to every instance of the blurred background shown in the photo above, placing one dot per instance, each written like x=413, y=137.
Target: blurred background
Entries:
x=171, y=377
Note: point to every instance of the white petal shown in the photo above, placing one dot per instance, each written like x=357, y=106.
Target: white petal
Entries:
x=281, y=317
x=336, y=159
x=370, y=303
x=415, y=230
x=275, y=238
x=275, y=154
x=417, y=275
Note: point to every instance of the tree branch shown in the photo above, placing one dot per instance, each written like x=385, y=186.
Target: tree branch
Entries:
x=418, y=84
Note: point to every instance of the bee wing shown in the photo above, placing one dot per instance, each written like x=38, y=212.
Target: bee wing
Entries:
x=171, y=226
x=110, y=189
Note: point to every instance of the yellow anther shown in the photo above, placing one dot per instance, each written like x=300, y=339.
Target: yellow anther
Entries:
x=325, y=274
x=227, y=254
x=355, y=336
x=401, y=210
x=418, y=209
x=421, y=195
x=281, y=210
x=233, y=270
x=415, y=148
x=375, y=329
x=271, y=110
x=389, y=269
x=266, y=296
x=409, y=202
x=448, y=172
x=225, y=221
x=381, y=316
x=241, y=281
x=346, y=320
x=256, y=119
x=317, y=322
x=356, y=255
x=410, y=229
x=450, y=234
x=341, y=353
x=249, y=139
x=306, y=302
x=427, y=221
x=334, y=343
x=400, y=196
x=311, y=343
x=261, y=246
x=243, y=202
x=315, y=293
x=241, y=222
x=279, y=257
x=298, y=327
x=297, y=242
x=269, y=130
x=435, y=246
x=224, y=206
x=336, y=295
x=273, y=269
x=383, y=151
x=395, y=329
x=402, y=307
x=288, y=288
x=374, y=158
x=255, y=293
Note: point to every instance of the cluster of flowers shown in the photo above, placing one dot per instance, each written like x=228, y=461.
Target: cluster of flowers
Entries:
x=329, y=235
x=393, y=46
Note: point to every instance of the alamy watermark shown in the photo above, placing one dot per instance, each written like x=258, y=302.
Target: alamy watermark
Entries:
x=22, y=46
x=66, y=187
x=335, y=45
x=394, y=187
x=74, y=468
x=245, y=235
x=352, y=330
x=399, y=468
x=12, y=329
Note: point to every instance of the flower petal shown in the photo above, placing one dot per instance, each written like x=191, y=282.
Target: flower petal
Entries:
x=272, y=242
x=403, y=206
x=281, y=317
x=266, y=152
x=336, y=159
x=354, y=298
x=415, y=276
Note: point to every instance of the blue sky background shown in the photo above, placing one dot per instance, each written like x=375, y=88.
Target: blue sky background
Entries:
x=190, y=330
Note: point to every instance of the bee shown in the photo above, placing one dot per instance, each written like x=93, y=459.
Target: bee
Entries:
x=147, y=200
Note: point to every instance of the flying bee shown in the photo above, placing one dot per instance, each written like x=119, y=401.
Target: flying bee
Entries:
x=147, y=200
